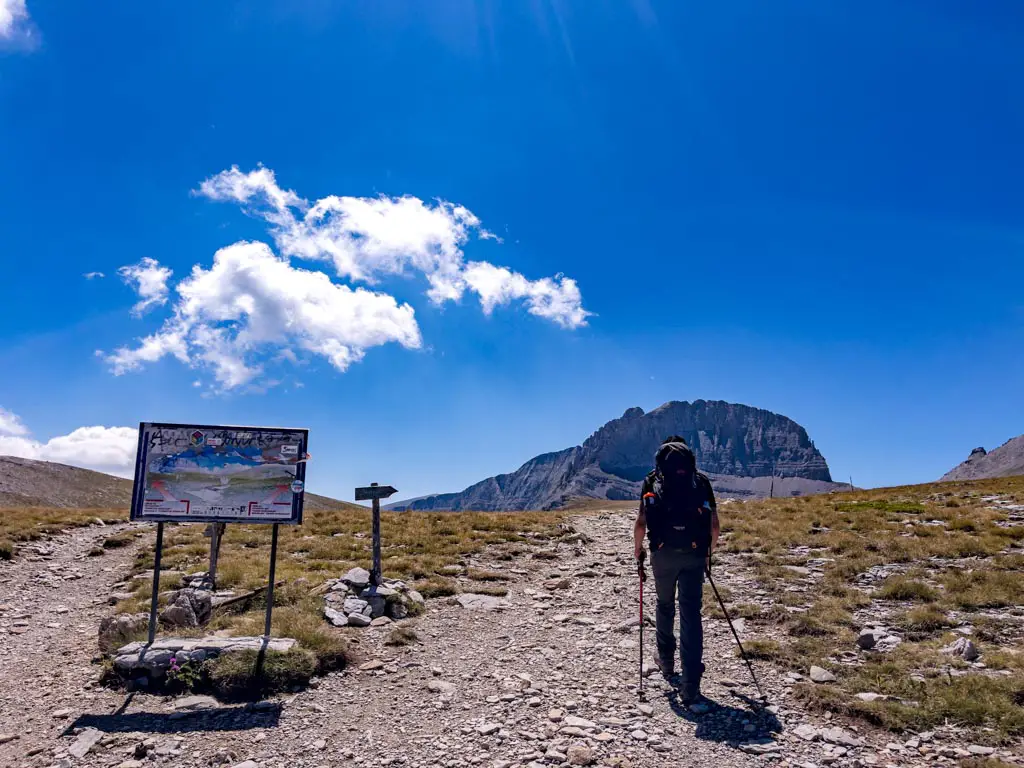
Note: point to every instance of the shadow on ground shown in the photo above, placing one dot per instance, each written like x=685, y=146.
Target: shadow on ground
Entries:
x=728, y=723
x=214, y=719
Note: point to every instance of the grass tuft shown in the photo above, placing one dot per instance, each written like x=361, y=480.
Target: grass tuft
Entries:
x=232, y=677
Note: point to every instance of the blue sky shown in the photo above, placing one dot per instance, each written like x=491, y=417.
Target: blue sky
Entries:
x=809, y=207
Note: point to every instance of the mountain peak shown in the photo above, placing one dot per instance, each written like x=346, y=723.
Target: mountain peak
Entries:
x=741, y=448
x=1006, y=460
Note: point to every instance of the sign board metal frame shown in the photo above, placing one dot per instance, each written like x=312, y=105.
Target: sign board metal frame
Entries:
x=149, y=431
x=139, y=497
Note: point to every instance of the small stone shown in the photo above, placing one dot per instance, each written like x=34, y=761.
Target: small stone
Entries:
x=533, y=701
x=370, y=666
x=646, y=709
x=6, y=737
x=728, y=683
x=761, y=748
x=821, y=675
x=488, y=728
x=578, y=722
x=62, y=714
x=807, y=732
x=580, y=754
x=639, y=735
x=836, y=735
x=86, y=740
x=870, y=696
x=358, y=620
x=556, y=715
x=977, y=749
x=337, y=618
x=554, y=584
x=440, y=686
x=195, y=702
x=247, y=764
x=380, y=621
x=474, y=602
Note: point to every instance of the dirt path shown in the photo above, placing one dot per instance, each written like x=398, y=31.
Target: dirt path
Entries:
x=51, y=601
x=549, y=678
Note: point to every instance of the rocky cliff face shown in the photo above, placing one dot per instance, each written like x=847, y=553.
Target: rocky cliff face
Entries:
x=736, y=445
x=1006, y=460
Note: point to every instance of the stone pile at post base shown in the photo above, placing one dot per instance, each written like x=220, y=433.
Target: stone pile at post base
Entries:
x=352, y=601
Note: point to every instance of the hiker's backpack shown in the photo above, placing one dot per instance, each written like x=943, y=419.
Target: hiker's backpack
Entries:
x=679, y=516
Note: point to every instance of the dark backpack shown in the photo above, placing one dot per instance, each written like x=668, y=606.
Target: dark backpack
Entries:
x=678, y=516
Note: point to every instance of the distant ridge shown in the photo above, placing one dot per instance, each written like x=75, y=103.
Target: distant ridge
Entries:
x=738, y=446
x=1006, y=460
x=31, y=483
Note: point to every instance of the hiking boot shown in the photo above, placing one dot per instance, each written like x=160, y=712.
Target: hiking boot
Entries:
x=665, y=665
x=691, y=694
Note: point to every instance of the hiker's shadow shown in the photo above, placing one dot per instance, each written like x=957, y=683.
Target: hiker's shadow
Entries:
x=726, y=722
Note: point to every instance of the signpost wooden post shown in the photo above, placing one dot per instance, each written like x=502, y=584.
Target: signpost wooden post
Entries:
x=375, y=493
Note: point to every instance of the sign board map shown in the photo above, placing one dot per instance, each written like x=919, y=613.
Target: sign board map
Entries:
x=200, y=473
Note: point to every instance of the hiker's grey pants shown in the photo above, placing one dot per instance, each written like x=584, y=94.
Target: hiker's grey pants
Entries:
x=679, y=572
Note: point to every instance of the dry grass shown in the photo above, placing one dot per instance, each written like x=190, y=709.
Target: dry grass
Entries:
x=952, y=556
x=33, y=523
x=430, y=551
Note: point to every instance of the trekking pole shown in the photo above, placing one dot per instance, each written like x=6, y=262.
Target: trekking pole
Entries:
x=743, y=653
x=643, y=578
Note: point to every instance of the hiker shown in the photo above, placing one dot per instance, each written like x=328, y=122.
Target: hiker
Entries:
x=678, y=513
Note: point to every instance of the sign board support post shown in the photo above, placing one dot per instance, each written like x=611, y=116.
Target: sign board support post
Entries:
x=270, y=587
x=375, y=493
x=216, y=531
x=156, y=582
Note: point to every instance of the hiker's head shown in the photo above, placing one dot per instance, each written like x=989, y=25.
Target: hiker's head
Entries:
x=675, y=459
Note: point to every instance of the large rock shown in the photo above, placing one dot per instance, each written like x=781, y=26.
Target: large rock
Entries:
x=355, y=605
x=739, y=447
x=821, y=675
x=357, y=579
x=115, y=631
x=337, y=618
x=188, y=608
x=135, y=658
x=964, y=648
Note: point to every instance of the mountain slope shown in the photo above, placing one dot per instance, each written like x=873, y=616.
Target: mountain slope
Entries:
x=1004, y=461
x=739, y=447
x=30, y=483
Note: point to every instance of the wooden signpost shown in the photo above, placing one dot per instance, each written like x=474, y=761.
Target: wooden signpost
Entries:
x=376, y=493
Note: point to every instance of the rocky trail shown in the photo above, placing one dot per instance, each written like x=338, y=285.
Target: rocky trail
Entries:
x=546, y=676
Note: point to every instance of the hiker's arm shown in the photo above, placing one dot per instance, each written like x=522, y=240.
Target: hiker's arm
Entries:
x=639, y=530
x=716, y=527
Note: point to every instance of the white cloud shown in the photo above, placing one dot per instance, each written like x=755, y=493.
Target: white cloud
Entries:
x=557, y=299
x=253, y=309
x=149, y=280
x=10, y=424
x=252, y=301
x=105, y=449
x=365, y=238
x=93, y=275
x=16, y=27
